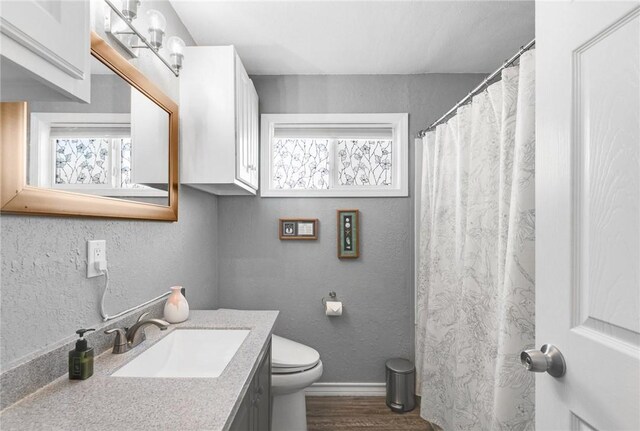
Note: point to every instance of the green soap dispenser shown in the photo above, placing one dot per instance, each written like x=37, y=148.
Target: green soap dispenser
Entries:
x=81, y=358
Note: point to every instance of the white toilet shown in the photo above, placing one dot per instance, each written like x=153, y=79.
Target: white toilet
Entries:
x=294, y=367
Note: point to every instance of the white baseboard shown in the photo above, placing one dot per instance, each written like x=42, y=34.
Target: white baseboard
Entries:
x=346, y=390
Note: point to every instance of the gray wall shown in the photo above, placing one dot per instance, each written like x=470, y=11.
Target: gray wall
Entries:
x=257, y=270
x=109, y=93
x=45, y=295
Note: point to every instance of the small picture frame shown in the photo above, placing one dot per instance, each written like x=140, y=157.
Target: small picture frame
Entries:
x=348, y=234
x=298, y=228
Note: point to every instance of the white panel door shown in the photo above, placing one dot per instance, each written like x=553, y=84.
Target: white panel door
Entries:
x=588, y=213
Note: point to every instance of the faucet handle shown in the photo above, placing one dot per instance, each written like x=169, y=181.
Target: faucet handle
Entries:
x=120, y=344
x=142, y=316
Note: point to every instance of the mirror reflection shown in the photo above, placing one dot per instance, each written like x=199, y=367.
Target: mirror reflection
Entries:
x=115, y=146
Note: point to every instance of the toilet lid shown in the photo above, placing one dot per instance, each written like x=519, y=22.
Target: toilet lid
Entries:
x=288, y=354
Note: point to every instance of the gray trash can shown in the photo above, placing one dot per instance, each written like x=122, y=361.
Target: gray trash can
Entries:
x=401, y=385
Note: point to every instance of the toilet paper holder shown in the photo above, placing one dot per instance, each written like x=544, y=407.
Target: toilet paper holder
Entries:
x=332, y=305
x=332, y=297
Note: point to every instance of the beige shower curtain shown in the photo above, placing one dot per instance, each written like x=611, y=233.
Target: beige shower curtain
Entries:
x=475, y=298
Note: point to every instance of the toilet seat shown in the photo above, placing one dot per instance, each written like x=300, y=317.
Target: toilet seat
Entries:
x=293, y=370
x=288, y=356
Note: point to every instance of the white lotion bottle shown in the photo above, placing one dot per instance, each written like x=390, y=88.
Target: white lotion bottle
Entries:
x=176, y=309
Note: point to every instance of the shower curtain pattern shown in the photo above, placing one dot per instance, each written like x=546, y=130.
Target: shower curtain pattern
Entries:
x=476, y=267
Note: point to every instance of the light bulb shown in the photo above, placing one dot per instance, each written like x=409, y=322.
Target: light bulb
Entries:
x=175, y=45
x=157, y=25
x=157, y=21
x=176, y=51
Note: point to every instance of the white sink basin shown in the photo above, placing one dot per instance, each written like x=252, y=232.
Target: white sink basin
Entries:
x=187, y=353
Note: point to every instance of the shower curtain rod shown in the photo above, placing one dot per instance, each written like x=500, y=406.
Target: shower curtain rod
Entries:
x=479, y=88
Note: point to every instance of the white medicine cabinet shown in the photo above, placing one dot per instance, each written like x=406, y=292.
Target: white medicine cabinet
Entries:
x=218, y=122
x=48, y=45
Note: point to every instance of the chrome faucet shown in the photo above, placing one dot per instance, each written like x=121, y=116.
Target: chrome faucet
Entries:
x=128, y=338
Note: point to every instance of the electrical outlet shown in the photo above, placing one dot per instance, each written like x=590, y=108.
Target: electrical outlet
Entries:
x=96, y=252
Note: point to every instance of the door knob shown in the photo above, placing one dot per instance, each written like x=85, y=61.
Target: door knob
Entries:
x=548, y=359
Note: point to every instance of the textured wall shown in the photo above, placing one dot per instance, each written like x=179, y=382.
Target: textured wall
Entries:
x=45, y=295
x=257, y=270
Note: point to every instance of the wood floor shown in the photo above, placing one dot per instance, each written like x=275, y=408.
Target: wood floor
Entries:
x=360, y=413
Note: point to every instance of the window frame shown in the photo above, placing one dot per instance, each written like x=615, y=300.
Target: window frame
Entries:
x=43, y=153
x=399, y=123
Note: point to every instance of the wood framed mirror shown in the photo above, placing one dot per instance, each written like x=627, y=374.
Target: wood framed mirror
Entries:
x=116, y=157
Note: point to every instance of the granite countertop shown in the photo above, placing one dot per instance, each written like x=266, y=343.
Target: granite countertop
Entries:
x=103, y=402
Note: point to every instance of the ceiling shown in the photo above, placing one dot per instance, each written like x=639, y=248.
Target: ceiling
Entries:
x=362, y=37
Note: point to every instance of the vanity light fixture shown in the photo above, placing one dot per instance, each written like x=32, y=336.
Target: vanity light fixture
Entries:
x=176, y=51
x=132, y=39
x=157, y=25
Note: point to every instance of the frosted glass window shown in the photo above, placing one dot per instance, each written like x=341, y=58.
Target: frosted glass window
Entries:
x=82, y=161
x=87, y=162
x=125, y=163
x=301, y=164
x=125, y=146
x=364, y=162
x=334, y=155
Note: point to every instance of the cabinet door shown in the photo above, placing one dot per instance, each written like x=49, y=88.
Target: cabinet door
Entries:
x=51, y=39
x=262, y=404
x=243, y=109
x=254, y=413
x=254, y=137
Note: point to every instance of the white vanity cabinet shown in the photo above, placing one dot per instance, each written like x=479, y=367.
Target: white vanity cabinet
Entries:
x=47, y=43
x=218, y=122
